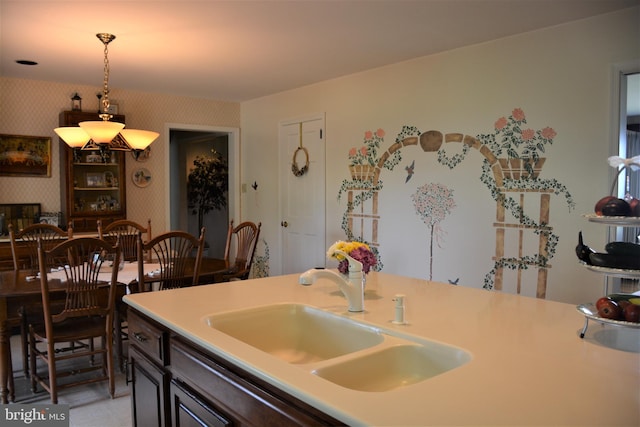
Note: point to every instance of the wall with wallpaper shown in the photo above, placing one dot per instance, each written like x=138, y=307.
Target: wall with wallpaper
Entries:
x=29, y=107
x=558, y=79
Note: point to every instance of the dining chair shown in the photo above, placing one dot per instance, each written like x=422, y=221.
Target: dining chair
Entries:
x=125, y=232
x=179, y=255
x=27, y=238
x=244, y=239
x=87, y=315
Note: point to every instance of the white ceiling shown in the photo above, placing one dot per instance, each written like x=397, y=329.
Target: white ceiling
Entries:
x=241, y=50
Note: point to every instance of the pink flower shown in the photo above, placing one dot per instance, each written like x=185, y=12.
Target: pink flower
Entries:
x=368, y=135
x=518, y=114
x=548, y=133
x=352, y=152
x=500, y=123
x=363, y=151
x=528, y=134
x=362, y=254
x=380, y=133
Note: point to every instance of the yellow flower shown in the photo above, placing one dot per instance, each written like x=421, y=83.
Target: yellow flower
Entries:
x=345, y=247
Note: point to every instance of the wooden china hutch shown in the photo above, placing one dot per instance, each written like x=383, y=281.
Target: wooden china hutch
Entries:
x=93, y=184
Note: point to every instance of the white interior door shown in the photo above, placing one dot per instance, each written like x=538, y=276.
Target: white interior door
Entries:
x=303, y=197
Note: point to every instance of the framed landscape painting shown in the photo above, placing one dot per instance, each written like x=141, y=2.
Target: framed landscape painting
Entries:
x=22, y=155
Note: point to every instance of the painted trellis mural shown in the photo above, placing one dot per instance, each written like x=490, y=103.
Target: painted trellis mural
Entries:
x=511, y=164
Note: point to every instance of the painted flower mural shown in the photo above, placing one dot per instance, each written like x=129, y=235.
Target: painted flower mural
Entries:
x=368, y=153
x=517, y=141
x=433, y=202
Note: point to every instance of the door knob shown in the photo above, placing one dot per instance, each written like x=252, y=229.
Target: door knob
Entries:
x=285, y=224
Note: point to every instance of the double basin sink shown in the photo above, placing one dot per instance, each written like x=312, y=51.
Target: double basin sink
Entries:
x=346, y=352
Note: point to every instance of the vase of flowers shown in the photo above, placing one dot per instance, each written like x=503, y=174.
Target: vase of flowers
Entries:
x=359, y=251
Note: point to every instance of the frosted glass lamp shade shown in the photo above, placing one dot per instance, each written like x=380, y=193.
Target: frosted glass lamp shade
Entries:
x=102, y=132
x=139, y=139
x=74, y=137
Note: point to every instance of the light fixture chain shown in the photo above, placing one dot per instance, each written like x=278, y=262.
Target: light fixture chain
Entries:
x=105, y=89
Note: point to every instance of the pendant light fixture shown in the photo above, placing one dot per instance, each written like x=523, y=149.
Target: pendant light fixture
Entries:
x=105, y=134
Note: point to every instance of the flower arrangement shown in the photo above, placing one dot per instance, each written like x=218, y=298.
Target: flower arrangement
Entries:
x=368, y=153
x=356, y=250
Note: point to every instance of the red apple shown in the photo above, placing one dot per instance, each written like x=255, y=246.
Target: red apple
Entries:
x=623, y=304
x=601, y=302
x=610, y=310
x=632, y=313
x=601, y=203
x=635, y=207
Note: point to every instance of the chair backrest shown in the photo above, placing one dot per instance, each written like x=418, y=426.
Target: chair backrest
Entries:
x=50, y=235
x=125, y=233
x=86, y=294
x=179, y=255
x=244, y=238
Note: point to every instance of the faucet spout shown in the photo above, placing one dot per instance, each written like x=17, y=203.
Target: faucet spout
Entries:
x=352, y=288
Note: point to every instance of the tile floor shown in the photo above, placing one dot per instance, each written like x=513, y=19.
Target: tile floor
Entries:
x=89, y=405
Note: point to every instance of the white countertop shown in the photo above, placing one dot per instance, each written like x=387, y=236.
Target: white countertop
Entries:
x=528, y=365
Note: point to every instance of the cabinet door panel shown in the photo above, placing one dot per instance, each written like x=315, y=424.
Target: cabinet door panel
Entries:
x=148, y=391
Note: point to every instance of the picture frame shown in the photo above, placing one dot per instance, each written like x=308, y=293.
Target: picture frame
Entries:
x=18, y=214
x=52, y=218
x=113, y=108
x=94, y=179
x=24, y=156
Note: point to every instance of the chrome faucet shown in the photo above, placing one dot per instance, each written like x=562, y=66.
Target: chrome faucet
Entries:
x=352, y=288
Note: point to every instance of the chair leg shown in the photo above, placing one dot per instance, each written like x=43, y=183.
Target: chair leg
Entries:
x=117, y=331
x=32, y=360
x=24, y=331
x=109, y=364
x=10, y=380
x=53, y=377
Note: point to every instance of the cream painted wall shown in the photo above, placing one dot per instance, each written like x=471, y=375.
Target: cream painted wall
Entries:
x=561, y=77
x=30, y=107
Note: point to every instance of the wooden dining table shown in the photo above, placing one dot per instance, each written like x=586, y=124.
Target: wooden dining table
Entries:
x=20, y=289
x=16, y=291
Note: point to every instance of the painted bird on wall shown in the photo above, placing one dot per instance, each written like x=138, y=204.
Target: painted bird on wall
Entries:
x=410, y=170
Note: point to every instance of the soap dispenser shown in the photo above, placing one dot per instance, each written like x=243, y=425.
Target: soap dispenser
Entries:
x=399, y=310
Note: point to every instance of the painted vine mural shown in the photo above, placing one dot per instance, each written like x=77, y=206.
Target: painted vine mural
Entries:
x=512, y=161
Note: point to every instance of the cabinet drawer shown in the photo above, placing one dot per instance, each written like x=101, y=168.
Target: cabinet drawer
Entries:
x=148, y=337
x=236, y=393
x=188, y=408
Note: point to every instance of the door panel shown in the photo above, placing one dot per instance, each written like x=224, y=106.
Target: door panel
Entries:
x=303, y=197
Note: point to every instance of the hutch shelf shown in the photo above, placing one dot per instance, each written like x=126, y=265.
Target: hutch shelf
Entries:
x=93, y=183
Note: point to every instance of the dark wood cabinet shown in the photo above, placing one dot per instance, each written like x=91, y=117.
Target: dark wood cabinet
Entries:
x=203, y=389
x=93, y=183
x=149, y=377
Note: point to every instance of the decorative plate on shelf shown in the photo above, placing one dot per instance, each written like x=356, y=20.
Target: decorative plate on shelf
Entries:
x=141, y=177
x=614, y=220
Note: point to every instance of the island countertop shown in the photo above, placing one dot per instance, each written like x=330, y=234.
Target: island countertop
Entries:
x=528, y=364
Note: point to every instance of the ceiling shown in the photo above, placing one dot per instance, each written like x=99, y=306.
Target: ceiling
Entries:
x=242, y=50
